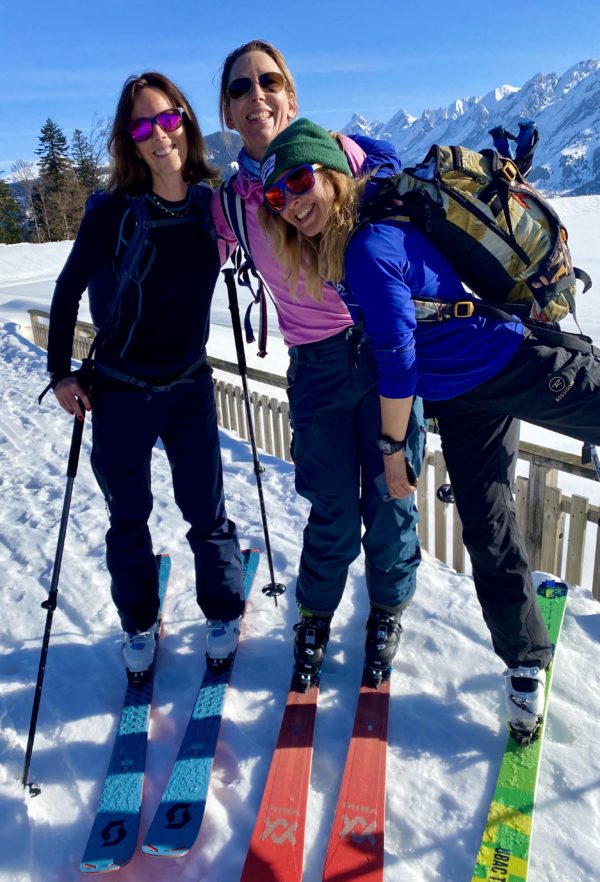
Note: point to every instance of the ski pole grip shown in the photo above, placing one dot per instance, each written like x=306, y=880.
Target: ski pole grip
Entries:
x=235, y=319
x=75, y=444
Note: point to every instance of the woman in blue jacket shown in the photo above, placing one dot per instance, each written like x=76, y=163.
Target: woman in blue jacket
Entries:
x=478, y=377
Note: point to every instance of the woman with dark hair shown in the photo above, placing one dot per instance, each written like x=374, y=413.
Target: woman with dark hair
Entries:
x=478, y=376
x=151, y=378
x=334, y=405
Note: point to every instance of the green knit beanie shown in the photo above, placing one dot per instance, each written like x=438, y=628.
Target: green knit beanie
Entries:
x=301, y=143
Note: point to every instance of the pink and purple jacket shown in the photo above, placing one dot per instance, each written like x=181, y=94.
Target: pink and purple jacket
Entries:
x=301, y=319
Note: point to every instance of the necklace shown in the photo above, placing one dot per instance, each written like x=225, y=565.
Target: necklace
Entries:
x=180, y=211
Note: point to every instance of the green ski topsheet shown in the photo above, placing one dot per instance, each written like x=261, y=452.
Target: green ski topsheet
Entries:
x=505, y=845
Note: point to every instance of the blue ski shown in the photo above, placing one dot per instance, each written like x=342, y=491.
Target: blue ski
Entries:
x=177, y=821
x=114, y=833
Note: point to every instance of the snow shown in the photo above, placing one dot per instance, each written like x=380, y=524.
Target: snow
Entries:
x=446, y=722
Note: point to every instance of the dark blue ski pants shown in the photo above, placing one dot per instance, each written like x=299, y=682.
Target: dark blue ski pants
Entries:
x=336, y=422
x=127, y=423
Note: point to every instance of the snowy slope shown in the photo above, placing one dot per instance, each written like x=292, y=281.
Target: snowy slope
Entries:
x=446, y=730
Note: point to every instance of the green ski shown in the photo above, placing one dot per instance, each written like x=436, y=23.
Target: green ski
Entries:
x=506, y=842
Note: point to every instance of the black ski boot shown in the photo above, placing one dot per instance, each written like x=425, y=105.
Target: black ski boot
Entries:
x=381, y=644
x=310, y=643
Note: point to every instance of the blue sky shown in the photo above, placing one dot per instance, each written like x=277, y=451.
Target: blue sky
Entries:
x=68, y=60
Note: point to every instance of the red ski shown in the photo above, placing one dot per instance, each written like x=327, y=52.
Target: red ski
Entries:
x=277, y=846
x=355, y=848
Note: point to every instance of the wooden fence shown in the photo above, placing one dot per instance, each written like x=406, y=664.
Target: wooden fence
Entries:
x=559, y=529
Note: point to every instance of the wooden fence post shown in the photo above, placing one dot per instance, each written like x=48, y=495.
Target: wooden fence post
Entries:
x=577, y=526
x=540, y=477
x=440, y=508
x=553, y=531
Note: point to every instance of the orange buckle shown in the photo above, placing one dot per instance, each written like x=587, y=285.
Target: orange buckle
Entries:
x=463, y=309
x=509, y=171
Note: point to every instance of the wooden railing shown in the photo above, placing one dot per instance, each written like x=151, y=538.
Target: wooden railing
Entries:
x=559, y=529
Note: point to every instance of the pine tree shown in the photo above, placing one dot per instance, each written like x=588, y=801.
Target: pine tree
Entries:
x=11, y=216
x=58, y=199
x=83, y=161
x=25, y=175
x=52, y=150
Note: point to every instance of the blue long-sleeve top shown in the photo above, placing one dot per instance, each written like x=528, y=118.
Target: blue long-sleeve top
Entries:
x=388, y=263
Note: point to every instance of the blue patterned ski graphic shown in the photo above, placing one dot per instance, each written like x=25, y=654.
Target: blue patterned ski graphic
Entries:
x=177, y=821
x=115, y=830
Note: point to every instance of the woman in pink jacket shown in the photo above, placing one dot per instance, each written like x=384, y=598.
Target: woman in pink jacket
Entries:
x=337, y=445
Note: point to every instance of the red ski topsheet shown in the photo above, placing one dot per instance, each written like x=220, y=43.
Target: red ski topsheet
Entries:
x=355, y=848
x=277, y=845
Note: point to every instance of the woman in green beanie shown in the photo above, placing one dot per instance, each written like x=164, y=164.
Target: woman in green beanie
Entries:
x=478, y=375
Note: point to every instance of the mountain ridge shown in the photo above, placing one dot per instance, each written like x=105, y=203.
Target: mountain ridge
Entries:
x=566, y=109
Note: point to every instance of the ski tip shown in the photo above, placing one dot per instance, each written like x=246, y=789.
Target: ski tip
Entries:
x=552, y=588
x=107, y=866
x=163, y=850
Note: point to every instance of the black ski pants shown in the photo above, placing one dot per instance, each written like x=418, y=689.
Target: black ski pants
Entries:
x=554, y=387
x=127, y=422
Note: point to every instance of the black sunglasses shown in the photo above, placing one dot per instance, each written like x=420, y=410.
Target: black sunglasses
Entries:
x=274, y=81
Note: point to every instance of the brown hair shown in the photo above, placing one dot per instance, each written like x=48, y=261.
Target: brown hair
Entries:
x=252, y=46
x=320, y=257
x=130, y=174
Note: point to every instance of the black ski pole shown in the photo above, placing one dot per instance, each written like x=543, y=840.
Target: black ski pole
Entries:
x=273, y=589
x=50, y=603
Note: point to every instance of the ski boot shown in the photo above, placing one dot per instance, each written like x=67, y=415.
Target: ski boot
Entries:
x=138, y=652
x=310, y=643
x=221, y=642
x=524, y=693
x=381, y=644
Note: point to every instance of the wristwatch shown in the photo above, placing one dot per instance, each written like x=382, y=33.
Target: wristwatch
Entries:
x=388, y=446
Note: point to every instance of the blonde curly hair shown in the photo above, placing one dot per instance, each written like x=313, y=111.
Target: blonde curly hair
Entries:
x=320, y=257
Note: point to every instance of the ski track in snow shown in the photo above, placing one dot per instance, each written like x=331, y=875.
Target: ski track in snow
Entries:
x=446, y=733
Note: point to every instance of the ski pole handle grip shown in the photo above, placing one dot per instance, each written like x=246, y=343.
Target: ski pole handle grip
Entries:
x=235, y=319
x=75, y=443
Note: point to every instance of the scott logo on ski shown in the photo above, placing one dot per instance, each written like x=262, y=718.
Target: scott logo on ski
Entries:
x=178, y=816
x=113, y=833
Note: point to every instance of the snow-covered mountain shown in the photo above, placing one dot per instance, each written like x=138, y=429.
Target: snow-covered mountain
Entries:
x=566, y=109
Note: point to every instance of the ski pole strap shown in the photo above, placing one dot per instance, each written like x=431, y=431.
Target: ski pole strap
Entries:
x=234, y=211
x=250, y=279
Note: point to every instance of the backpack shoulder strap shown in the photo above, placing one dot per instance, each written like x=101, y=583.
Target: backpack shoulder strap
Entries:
x=132, y=250
x=201, y=199
x=234, y=209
